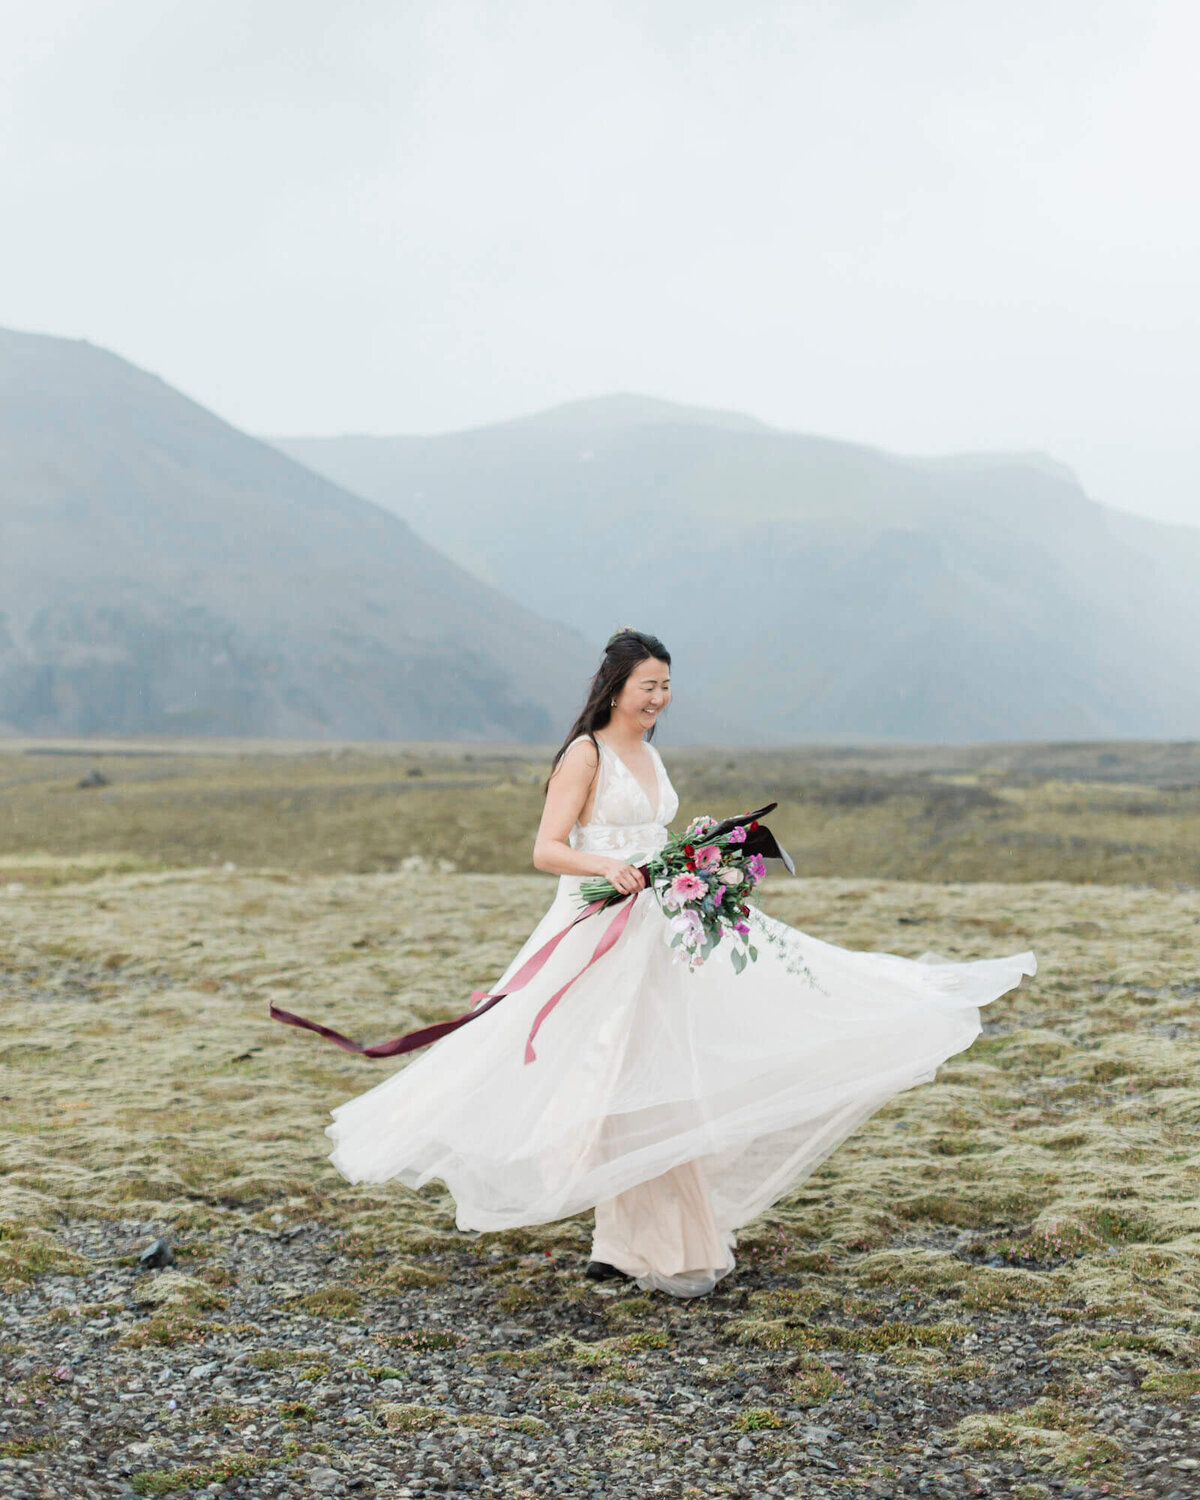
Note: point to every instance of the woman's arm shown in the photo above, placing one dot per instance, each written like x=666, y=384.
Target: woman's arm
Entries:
x=566, y=797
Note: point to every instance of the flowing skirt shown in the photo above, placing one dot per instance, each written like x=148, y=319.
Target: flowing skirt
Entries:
x=677, y=1104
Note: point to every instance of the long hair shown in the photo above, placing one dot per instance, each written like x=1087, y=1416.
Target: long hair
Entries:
x=625, y=651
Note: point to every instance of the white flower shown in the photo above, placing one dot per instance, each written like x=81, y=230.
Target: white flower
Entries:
x=689, y=925
x=729, y=875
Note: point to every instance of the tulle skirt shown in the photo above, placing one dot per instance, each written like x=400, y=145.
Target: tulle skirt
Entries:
x=677, y=1104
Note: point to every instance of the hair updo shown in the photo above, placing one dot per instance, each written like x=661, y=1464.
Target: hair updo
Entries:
x=625, y=651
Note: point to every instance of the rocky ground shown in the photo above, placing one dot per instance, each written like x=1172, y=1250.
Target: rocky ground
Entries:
x=304, y=1363
x=989, y=1290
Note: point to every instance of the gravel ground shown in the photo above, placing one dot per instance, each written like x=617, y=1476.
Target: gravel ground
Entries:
x=306, y=1362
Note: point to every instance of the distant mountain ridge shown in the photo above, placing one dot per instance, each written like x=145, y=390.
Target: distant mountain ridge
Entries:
x=812, y=588
x=162, y=572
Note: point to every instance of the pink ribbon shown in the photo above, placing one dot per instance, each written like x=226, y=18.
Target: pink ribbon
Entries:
x=481, y=1001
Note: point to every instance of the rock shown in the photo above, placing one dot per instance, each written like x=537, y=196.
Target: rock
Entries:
x=93, y=778
x=158, y=1253
x=324, y=1480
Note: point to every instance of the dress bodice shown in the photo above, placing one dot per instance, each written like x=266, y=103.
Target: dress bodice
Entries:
x=623, y=823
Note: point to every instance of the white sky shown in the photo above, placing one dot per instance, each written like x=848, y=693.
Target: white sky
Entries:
x=929, y=224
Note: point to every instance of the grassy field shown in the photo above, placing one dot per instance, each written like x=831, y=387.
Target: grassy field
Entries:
x=146, y=925
x=1115, y=814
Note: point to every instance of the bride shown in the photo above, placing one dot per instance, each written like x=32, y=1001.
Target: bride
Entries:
x=678, y=1104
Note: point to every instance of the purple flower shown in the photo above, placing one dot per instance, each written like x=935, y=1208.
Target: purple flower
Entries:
x=718, y=895
x=756, y=868
x=698, y=827
x=742, y=928
x=737, y=835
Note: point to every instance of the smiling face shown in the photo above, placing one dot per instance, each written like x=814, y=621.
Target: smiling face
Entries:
x=646, y=693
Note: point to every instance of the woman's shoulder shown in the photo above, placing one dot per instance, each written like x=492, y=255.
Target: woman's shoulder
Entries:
x=582, y=751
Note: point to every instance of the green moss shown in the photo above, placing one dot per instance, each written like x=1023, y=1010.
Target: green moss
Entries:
x=26, y=1253
x=405, y=1277
x=820, y=1262
x=815, y=1383
x=200, y=1476
x=26, y=1447
x=530, y=1426
x=646, y=1338
x=1050, y=1429
x=176, y=1325
x=1175, y=1385
x=781, y=1333
x=519, y=1298
x=630, y=1307
x=270, y=1359
x=422, y=1340
x=297, y=1411
x=403, y=1416
x=758, y=1419
x=332, y=1302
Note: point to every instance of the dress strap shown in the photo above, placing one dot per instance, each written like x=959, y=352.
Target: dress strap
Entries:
x=587, y=739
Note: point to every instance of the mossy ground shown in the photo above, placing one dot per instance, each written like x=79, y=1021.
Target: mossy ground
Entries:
x=1051, y=1169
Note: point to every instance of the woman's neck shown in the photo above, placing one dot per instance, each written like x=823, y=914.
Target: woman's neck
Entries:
x=623, y=738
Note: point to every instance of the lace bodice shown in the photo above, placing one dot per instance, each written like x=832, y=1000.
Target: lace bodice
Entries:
x=619, y=825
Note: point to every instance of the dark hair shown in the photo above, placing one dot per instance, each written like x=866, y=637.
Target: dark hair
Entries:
x=625, y=651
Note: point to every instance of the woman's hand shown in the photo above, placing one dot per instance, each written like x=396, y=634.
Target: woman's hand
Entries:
x=626, y=878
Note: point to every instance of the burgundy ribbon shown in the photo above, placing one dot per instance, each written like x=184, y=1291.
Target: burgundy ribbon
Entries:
x=481, y=1001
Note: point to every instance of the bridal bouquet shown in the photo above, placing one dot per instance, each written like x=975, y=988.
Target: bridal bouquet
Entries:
x=702, y=878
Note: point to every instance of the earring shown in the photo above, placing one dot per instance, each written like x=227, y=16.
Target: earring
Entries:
x=612, y=703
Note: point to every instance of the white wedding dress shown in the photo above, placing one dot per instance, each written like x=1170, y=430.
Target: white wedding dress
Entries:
x=678, y=1104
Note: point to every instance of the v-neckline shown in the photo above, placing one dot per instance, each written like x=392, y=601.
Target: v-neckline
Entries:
x=655, y=804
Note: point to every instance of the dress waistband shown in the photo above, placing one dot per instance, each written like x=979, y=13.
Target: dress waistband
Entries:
x=620, y=840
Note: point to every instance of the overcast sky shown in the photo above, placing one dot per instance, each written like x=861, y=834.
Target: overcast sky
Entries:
x=932, y=225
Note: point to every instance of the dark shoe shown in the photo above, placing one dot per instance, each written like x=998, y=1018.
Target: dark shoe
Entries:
x=600, y=1270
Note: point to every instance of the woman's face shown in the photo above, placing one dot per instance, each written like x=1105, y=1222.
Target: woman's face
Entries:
x=646, y=693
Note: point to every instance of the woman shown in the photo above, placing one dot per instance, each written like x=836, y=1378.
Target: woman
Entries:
x=678, y=1104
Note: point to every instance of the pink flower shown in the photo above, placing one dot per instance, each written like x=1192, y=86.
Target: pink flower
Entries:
x=688, y=887
x=737, y=835
x=742, y=928
x=689, y=924
x=755, y=868
x=698, y=827
x=718, y=895
x=708, y=857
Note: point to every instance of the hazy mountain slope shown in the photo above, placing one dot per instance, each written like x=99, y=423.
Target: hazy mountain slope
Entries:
x=818, y=588
x=162, y=571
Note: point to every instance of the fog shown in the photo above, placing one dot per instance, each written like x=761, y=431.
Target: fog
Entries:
x=927, y=225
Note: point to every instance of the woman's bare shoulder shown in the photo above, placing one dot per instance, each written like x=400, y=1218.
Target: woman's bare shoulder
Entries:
x=582, y=754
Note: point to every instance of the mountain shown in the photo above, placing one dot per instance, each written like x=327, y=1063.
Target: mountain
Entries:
x=162, y=572
x=813, y=589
